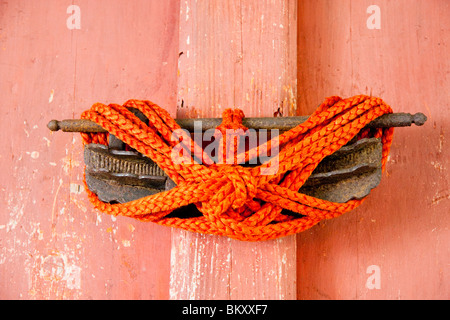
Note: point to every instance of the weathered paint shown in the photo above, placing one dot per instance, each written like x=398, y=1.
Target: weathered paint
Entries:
x=402, y=228
x=53, y=245
x=235, y=54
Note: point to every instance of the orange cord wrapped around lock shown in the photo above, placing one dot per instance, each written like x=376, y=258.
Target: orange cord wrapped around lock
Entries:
x=237, y=201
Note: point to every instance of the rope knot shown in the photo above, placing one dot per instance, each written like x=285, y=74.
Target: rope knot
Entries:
x=244, y=203
x=232, y=119
x=244, y=183
x=229, y=133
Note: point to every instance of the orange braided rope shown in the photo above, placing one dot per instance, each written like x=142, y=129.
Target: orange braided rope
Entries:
x=236, y=201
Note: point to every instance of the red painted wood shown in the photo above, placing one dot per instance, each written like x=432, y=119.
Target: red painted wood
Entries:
x=403, y=226
x=53, y=245
x=235, y=54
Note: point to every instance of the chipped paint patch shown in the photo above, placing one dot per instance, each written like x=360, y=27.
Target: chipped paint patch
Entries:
x=72, y=276
x=440, y=196
x=16, y=207
x=52, y=267
x=52, y=273
x=52, y=93
x=79, y=204
x=47, y=140
x=34, y=155
x=437, y=165
x=75, y=188
x=69, y=164
x=98, y=220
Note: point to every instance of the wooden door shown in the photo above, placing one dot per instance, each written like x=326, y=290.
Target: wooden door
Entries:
x=57, y=58
x=394, y=246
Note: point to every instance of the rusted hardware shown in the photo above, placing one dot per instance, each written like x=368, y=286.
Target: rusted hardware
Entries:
x=116, y=175
x=280, y=123
x=122, y=176
x=349, y=173
x=75, y=125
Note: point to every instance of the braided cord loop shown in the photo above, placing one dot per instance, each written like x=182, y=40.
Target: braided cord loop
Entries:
x=243, y=203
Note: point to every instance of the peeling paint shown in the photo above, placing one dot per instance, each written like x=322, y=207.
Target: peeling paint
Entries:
x=47, y=140
x=34, y=155
x=16, y=207
x=52, y=93
x=69, y=164
x=76, y=188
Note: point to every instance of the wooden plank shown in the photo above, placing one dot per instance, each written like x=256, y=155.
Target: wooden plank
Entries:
x=238, y=54
x=400, y=232
x=53, y=244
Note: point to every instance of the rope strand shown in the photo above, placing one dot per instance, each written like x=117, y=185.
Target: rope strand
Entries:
x=236, y=201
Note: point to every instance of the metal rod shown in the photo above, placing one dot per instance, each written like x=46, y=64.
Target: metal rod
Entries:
x=280, y=123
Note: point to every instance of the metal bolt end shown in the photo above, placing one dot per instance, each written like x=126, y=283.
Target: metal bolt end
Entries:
x=53, y=125
x=419, y=119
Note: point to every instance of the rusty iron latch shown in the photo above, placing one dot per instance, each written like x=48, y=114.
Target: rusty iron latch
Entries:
x=117, y=175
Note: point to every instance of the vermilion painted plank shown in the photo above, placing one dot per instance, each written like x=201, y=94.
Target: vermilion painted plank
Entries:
x=238, y=54
x=53, y=244
x=402, y=227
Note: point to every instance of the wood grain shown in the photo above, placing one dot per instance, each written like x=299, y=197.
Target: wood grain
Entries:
x=53, y=245
x=403, y=226
x=235, y=54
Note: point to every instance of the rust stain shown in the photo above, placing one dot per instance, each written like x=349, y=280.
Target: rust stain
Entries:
x=440, y=196
x=128, y=263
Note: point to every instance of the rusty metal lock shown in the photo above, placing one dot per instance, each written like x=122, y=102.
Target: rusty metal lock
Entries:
x=117, y=175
